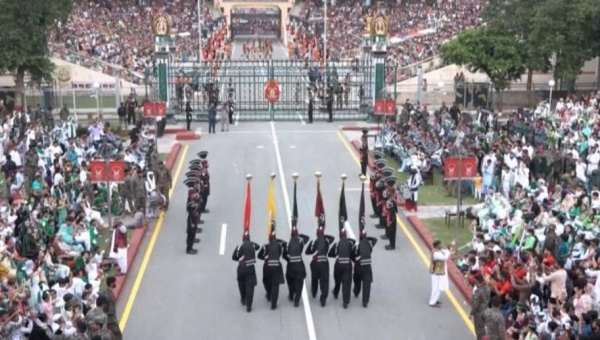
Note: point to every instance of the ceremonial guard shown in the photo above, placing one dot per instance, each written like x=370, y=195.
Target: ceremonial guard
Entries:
x=245, y=255
x=438, y=271
x=414, y=181
x=272, y=269
x=373, y=192
x=295, y=271
x=391, y=209
x=319, y=266
x=481, y=301
x=193, y=211
x=188, y=116
x=342, y=251
x=361, y=254
x=165, y=182
x=205, y=177
x=364, y=151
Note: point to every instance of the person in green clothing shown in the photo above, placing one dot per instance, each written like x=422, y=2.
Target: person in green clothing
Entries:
x=530, y=241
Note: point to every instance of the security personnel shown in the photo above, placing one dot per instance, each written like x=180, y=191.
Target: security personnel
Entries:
x=363, y=273
x=342, y=270
x=193, y=213
x=272, y=270
x=188, y=115
x=381, y=197
x=245, y=255
x=330, y=104
x=390, y=226
x=373, y=192
x=364, y=152
x=319, y=266
x=164, y=181
x=310, y=106
x=205, y=178
x=295, y=271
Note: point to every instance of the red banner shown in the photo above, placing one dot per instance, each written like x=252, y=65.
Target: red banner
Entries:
x=385, y=107
x=116, y=171
x=97, y=171
x=454, y=167
x=154, y=109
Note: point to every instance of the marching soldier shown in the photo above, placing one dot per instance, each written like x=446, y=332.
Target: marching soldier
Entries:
x=140, y=192
x=391, y=208
x=363, y=274
x=364, y=152
x=245, y=255
x=319, y=266
x=380, y=195
x=295, y=271
x=342, y=270
x=165, y=182
x=481, y=301
x=272, y=270
x=192, y=219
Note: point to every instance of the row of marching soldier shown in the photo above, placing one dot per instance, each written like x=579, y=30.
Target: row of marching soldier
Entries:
x=198, y=182
x=352, y=258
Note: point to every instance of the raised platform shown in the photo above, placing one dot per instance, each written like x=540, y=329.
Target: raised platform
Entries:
x=186, y=135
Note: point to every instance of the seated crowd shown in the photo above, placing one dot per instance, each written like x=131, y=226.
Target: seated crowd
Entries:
x=536, y=232
x=57, y=252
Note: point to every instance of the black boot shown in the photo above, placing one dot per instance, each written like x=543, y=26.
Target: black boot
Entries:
x=197, y=241
x=192, y=252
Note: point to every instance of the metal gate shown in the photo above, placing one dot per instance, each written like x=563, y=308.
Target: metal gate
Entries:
x=350, y=81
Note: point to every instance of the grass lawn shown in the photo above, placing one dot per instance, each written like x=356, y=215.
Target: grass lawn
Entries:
x=430, y=194
x=163, y=156
x=446, y=234
x=82, y=101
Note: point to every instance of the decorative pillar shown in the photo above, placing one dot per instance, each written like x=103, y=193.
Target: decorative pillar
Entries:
x=161, y=28
x=379, y=48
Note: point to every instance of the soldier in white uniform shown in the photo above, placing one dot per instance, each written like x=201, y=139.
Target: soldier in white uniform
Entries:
x=414, y=181
x=439, y=271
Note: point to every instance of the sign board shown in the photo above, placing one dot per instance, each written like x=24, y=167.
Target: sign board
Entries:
x=154, y=109
x=272, y=91
x=385, y=107
x=116, y=171
x=454, y=167
x=98, y=171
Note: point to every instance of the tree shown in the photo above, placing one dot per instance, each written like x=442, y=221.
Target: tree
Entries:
x=25, y=27
x=491, y=52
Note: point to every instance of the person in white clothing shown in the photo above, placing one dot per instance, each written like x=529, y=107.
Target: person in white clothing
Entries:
x=439, y=271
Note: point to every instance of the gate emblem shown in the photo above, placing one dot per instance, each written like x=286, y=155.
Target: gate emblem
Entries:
x=272, y=91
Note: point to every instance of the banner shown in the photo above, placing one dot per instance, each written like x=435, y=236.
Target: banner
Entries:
x=454, y=167
x=295, y=208
x=343, y=212
x=116, y=171
x=247, y=207
x=319, y=208
x=271, y=207
x=98, y=171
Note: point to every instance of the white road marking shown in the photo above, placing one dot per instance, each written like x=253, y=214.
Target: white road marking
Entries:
x=260, y=146
x=312, y=335
x=223, y=238
x=292, y=146
x=301, y=119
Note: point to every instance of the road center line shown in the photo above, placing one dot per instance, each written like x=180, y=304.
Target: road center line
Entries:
x=223, y=238
x=312, y=335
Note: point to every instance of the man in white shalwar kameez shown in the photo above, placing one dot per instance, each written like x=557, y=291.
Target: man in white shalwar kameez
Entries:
x=439, y=271
x=119, y=246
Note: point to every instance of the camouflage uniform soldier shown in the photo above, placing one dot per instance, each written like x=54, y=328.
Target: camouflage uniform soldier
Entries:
x=164, y=182
x=481, y=301
x=64, y=113
x=96, y=320
x=112, y=322
x=128, y=190
x=153, y=166
x=494, y=321
x=140, y=192
x=31, y=166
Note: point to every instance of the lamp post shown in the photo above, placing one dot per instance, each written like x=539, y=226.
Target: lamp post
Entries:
x=551, y=83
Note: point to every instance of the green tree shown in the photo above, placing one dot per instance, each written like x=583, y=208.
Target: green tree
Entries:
x=26, y=26
x=491, y=52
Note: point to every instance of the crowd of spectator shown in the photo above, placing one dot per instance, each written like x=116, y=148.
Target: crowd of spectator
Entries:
x=421, y=27
x=536, y=232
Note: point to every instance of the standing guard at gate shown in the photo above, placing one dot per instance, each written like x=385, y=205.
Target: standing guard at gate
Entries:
x=364, y=151
x=188, y=116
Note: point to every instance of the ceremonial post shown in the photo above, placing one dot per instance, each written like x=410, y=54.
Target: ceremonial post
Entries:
x=107, y=171
x=161, y=28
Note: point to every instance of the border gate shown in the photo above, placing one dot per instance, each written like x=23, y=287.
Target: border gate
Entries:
x=350, y=81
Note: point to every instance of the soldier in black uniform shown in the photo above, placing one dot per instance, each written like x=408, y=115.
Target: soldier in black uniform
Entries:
x=342, y=270
x=192, y=211
x=381, y=199
x=373, y=192
x=390, y=214
x=295, y=271
x=363, y=274
x=364, y=152
x=319, y=266
x=205, y=178
x=188, y=115
x=330, y=104
x=245, y=255
x=272, y=269
x=310, y=106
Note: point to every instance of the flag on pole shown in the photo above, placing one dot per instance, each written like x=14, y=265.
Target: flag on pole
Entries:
x=271, y=207
x=343, y=212
x=295, y=208
x=361, y=210
x=319, y=208
x=247, y=207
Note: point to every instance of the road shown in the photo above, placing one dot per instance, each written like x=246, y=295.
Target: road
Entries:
x=185, y=297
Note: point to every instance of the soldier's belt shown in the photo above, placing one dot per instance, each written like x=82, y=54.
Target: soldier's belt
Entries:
x=343, y=260
x=294, y=259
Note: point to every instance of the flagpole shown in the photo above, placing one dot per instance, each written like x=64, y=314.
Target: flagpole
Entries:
x=361, y=213
x=318, y=176
x=247, y=206
x=294, y=220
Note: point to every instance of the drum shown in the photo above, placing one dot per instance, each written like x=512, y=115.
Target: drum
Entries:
x=405, y=190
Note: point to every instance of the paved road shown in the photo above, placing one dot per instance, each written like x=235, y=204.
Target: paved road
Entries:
x=189, y=297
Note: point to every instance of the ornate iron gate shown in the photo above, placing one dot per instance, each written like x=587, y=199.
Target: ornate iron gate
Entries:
x=351, y=83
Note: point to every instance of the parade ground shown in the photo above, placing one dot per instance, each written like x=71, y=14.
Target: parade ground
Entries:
x=180, y=296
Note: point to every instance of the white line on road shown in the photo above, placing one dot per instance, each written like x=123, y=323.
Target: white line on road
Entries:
x=223, y=238
x=301, y=119
x=260, y=146
x=292, y=146
x=312, y=335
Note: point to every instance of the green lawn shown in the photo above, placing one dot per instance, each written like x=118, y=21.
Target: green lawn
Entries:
x=431, y=194
x=163, y=156
x=446, y=233
x=82, y=101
